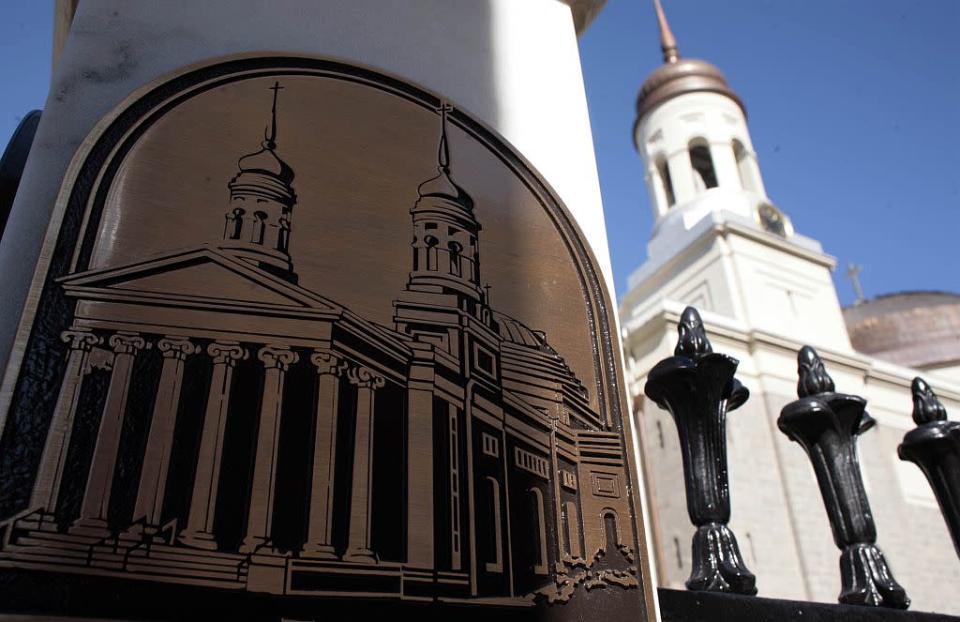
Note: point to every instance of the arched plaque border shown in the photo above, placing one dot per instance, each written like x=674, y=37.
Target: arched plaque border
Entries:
x=37, y=358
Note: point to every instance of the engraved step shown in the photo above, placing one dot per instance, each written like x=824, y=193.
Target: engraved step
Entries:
x=186, y=557
x=173, y=569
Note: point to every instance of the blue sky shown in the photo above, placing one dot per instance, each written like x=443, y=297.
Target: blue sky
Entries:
x=852, y=106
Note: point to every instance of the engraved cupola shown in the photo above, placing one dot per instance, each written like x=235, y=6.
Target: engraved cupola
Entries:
x=257, y=226
x=446, y=252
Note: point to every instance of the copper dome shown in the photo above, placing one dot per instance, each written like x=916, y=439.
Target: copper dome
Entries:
x=683, y=75
x=916, y=329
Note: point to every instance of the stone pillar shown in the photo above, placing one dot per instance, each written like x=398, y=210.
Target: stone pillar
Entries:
x=320, y=528
x=420, y=536
x=96, y=499
x=46, y=487
x=725, y=166
x=203, y=502
x=276, y=360
x=156, y=460
x=358, y=547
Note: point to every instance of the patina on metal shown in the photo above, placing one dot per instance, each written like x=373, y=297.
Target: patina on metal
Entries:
x=934, y=446
x=698, y=388
x=827, y=424
x=309, y=332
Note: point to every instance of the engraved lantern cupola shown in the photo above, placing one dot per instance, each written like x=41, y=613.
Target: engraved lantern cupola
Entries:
x=257, y=226
x=446, y=251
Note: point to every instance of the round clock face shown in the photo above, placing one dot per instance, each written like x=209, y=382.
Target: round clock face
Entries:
x=772, y=220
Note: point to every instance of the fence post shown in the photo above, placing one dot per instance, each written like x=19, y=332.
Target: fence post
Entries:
x=827, y=424
x=697, y=387
x=934, y=446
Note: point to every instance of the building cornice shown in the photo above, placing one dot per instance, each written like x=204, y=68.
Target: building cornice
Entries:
x=701, y=243
x=665, y=316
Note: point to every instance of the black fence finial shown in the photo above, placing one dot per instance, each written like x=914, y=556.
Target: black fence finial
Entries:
x=934, y=446
x=827, y=424
x=697, y=387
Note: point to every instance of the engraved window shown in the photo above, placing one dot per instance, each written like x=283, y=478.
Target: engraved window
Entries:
x=491, y=446
x=283, y=239
x=431, y=242
x=494, y=530
x=538, y=531
x=568, y=479
x=258, y=227
x=485, y=360
x=532, y=463
x=611, y=531
x=456, y=265
x=236, y=220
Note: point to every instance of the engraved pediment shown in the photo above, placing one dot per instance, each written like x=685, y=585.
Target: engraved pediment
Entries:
x=205, y=273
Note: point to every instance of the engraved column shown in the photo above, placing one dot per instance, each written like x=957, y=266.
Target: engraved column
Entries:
x=420, y=553
x=47, y=485
x=358, y=546
x=276, y=360
x=96, y=500
x=329, y=368
x=203, y=502
x=156, y=460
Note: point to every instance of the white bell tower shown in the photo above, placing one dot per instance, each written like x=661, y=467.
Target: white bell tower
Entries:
x=718, y=241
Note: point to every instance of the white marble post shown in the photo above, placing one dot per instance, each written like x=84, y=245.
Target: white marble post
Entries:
x=156, y=460
x=320, y=528
x=96, y=499
x=46, y=487
x=276, y=360
x=367, y=382
x=203, y=502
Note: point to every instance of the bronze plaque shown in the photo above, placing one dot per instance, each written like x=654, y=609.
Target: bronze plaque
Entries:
x=307, y=337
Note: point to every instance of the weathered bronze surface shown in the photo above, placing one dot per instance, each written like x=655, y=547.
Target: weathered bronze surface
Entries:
x=309, y=331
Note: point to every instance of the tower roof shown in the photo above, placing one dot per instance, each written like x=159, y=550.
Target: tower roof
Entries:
x=264, y=168
x=442, y=186
x=677, y=75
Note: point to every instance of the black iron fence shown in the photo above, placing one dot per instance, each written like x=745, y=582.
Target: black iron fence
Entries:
x=698, y=387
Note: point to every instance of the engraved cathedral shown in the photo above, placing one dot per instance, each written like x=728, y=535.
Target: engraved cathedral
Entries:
x=219, y=425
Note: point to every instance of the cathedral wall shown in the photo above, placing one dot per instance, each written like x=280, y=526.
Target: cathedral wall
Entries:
x=786, y=294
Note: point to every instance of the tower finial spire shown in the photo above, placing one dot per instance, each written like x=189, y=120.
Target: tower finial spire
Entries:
x=667, y=41
x=443, y=155
x=270, y=135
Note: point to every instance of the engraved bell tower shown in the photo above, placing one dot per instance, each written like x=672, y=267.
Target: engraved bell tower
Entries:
x=446, y=251
x=257, y=226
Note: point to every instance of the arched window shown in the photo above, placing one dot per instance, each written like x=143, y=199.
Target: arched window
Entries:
x=744, y=166
x=494, y=534
x=666, y=182
x=704, y=175
x=431, y=242
x=456, y=255
x=539, y=531
x=258, y=227
x=235, y=223
x=611, y=530
x=283, y=240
